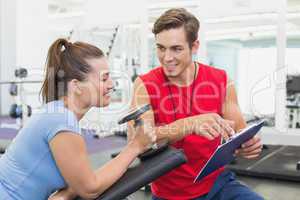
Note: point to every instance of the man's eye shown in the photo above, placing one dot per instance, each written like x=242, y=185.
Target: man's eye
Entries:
x=161, y=48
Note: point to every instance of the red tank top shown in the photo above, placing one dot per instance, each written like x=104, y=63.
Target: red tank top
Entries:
x=209, y=92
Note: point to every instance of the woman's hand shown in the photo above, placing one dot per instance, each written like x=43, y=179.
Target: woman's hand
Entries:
x=144, y=137
x=64, y=194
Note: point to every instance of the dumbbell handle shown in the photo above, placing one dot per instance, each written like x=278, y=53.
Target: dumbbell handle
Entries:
x=138, y=122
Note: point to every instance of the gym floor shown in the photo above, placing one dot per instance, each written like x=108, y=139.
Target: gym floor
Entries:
x=268, y=188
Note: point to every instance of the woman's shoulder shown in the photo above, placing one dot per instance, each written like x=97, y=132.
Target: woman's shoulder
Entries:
x=54, y=114
x=54, y=118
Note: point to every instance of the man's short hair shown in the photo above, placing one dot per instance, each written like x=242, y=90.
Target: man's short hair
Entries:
x=176, y=18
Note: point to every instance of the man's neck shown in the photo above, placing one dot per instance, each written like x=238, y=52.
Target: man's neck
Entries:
x=186, y=77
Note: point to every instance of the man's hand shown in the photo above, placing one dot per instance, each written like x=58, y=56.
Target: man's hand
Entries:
x=250, y=149
x=211, y=126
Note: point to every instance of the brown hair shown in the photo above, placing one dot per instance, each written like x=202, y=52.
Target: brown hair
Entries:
x=66, y=61
x=176, y=18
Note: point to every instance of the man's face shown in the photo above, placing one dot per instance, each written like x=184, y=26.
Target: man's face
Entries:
x=174, y=52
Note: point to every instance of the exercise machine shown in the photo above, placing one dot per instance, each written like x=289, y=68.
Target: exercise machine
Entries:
x=152, y=164
x=293, y=101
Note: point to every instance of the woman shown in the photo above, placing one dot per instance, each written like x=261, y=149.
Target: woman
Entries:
x=49, y=152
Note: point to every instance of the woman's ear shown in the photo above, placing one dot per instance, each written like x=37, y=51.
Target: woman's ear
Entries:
x=75, y=86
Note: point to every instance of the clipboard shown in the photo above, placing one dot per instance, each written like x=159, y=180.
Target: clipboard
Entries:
x=224, y=154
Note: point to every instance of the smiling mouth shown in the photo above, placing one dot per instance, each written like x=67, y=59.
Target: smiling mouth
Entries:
x=171, y=68
x=111, y=91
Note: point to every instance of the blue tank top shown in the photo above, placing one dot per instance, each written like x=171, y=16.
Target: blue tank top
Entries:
x=27, y=169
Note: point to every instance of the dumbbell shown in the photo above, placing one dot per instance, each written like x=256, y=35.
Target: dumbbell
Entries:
x=13, y=89
x=21, y=73
x=16, y=111
x=2, y=150
x=135, y=115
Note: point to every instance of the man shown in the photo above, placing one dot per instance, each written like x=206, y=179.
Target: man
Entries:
x=193, y=107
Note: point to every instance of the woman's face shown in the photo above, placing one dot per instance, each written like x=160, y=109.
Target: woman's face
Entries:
x=98, y=83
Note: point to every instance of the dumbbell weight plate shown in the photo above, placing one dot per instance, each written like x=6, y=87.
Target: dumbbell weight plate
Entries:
x=134, y=114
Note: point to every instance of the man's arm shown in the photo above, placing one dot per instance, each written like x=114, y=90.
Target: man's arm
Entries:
x=209, y=125
x=231, y=111
x=172, y=132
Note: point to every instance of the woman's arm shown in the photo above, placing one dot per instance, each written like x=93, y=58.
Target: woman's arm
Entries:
x=71, y=157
